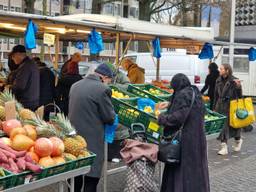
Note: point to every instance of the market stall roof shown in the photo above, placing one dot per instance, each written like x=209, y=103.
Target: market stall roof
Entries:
x=77, y=27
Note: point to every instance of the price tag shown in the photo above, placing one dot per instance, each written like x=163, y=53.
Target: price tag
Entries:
x=155, y=135
x=153, y=126
x=49, y=39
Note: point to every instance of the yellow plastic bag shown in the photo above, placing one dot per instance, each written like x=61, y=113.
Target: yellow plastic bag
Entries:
x=245, y=103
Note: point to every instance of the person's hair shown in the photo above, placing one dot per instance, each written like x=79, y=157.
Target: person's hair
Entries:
x=213, y=67
x=228, y=68
x=73, y=68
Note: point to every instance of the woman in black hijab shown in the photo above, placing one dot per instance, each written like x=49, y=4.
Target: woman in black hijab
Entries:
x=191, y=175
x=210, y=82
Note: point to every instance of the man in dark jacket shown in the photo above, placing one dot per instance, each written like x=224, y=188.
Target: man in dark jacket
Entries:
x=90, y=108
x=26, y=84
x=47, y=87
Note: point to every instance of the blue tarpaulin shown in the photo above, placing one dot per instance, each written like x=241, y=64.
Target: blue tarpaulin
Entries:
x=157, y=48
x=252, y=54
x=30, y=35
x=206, y=52
x=95, y=42
x=80, y=45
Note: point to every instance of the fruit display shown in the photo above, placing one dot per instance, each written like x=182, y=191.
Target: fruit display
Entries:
x=28, y=143
x=2, y=173
x=119, y=95
x=163, y=85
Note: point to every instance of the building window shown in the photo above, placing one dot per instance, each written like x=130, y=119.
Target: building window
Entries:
x=12, y=9
x=17, y=9
x=1, y=7
x=117, y=9
x=5, y=8
x=241, y=64
x=108, y=9
x=133, y=12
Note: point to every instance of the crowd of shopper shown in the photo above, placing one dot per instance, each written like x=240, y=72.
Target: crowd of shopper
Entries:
x=87, y=103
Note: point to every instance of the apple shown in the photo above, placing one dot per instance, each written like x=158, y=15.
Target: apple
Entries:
x=58, y=146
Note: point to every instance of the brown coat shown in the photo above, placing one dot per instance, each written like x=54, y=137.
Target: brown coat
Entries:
x=136, y=74
x=225, y=91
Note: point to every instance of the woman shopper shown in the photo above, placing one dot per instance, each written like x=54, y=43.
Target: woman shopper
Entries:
x=227, y=88
x=191, y=174
x=210, y=82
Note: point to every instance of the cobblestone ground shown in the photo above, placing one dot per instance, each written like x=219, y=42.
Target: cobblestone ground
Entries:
x=232, y=173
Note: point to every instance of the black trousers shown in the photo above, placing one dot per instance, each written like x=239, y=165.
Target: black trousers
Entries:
x=90, y=183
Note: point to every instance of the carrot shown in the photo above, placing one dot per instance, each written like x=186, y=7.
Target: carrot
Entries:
x=33, y=167
x=7, y=148
x=3, y=157
x=8, y=154
x=21, y=163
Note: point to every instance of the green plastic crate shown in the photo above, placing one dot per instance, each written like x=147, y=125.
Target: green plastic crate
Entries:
x=83, y=162
x=7, y=181
x=28, y=177
x=129, y=114
x=214, y=125
x=139, y=89
x=58, y=169
x=123, y=91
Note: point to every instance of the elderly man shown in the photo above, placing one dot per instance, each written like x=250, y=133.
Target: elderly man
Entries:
x=76, y=58
x=90, y=108
x=26, y=81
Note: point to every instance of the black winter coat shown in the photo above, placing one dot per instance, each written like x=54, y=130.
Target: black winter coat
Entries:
x=63, y=90
x=47, y=85
x=210, y=83
x=191, y=175
x=26, y=84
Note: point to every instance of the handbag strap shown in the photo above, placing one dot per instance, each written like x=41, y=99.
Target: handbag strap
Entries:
x=190, y=108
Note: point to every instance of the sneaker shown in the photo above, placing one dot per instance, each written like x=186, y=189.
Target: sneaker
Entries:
x=115, y=160
x=238, y=145
x=224, y=149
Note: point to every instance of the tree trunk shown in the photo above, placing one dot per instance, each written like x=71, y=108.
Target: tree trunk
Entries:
x=196, y=15
x=30, y=6
x=184, y=13
x=96, y=6
x=144, y=14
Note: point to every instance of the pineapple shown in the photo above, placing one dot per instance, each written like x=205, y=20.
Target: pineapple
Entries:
x=2, y=113
x=69, y=157
x=83, y=154
x=81, y=140
x=43, y=128
x=73, y=146
x=26, y=114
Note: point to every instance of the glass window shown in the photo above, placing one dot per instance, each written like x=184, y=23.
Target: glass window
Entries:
x=5, y=8
x=117, y=9
x=108, y=9
x=241, y=64
x=132, y=12
x=17, y=9
x=1, y=7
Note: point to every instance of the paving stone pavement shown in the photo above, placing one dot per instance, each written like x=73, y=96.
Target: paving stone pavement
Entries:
x=233, y=173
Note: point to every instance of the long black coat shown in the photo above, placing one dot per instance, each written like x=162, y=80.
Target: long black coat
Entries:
x=191, y=175
x=225, y=91
x=90, y=108
x=26, y=84
x=210, y=83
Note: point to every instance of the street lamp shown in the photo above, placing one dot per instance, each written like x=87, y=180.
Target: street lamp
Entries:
x=232, y=32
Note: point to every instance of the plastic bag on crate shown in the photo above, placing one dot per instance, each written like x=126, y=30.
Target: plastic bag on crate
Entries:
x=143, y=102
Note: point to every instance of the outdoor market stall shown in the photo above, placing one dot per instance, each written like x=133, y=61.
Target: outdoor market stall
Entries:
x=112, y=29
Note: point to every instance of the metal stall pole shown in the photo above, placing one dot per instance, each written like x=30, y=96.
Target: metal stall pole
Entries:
x=105, y=169
x=232, y=32
x=57, y=47
x=158, y=69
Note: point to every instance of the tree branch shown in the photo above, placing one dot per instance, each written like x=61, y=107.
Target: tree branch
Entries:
x=165, y=9
x=161, y=5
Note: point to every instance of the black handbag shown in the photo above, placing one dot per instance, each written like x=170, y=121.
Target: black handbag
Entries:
x=170, y=147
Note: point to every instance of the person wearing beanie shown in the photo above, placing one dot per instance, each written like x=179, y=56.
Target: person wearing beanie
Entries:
x=26, y=81
x=90, y=108
x=120, y=79
x=64, y=84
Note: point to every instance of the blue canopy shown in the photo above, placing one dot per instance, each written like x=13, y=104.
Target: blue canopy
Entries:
x=30, y=35
x=95, y=42
x=157, y=48
x=252, y=54
x=206, y=52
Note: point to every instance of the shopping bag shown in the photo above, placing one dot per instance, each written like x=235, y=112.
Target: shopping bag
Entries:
x=241, y=113
x=110, y=130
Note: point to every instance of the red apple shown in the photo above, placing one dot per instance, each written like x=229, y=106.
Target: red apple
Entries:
x=58, y=146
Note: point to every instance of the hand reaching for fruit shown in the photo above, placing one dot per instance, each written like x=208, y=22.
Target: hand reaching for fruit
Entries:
x=163, y=105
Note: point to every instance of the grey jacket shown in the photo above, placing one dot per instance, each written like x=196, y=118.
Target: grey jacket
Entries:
x=90, y=108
